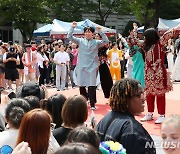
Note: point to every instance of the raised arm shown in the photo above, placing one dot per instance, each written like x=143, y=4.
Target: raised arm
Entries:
x=104, y=40
x=70, y=34
x=123, y=40
x=169, y=34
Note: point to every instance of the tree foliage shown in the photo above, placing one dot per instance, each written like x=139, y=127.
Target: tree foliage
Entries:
x=67, y=10
x=170, y=9
x=104, y=8
x=147, y=11
x=24, y=15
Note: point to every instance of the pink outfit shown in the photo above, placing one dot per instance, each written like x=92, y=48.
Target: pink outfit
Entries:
x=74, y=61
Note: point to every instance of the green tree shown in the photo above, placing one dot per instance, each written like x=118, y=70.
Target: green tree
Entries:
x=67, y=10
x=24, y=15
x=146, y=11
x=104, y=8
x=149, y=11
x=170, y=9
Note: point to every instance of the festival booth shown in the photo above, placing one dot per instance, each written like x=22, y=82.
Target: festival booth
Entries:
x=43, y=31
x=163, y=25
x=60, y=29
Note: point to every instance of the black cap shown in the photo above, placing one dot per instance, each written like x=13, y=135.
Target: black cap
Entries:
x=27, y=45
x=31, y=88
x=10, y=42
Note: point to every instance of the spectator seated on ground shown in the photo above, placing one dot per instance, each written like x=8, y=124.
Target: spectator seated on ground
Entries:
x=85, y=135
x=126, y=101
x=170, y=133
x=14, y=112
x=35, y=129
x=33, y=102
x=77, y=148
x=31, y=88
x=54, y=105
x=74, y=113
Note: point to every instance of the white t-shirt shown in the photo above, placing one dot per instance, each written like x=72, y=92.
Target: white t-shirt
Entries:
x=41, y=58
x=61, y=57
x=53, y=145
x=9, y=137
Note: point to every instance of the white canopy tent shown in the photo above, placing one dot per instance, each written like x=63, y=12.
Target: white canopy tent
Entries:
x=62, y=28
x=163, y=25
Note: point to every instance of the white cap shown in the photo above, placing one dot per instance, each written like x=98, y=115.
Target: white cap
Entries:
x=60, y=41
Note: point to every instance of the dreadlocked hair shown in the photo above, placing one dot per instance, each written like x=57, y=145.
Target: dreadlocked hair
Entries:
x=121, y=92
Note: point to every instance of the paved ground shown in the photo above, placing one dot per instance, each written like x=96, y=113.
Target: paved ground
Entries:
x=172, y=107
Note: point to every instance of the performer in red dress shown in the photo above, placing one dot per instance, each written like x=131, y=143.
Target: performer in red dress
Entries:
x=157, y=80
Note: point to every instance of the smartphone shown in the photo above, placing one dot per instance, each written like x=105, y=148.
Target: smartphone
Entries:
x=11, y=95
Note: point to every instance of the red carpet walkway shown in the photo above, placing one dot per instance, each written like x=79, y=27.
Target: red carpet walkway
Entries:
x=172, y=107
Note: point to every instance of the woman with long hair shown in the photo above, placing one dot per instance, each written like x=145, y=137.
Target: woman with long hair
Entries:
x=54, y=105
x=35, y=129
x=157, y=81
x=105, y=75
x=74, y=113
x=138, y=62
x=20, y=67
x=42, y=61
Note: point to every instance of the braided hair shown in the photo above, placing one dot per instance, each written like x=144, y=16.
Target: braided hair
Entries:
x=121, y=92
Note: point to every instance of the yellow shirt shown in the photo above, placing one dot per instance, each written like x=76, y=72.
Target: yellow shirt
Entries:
x=115, y=56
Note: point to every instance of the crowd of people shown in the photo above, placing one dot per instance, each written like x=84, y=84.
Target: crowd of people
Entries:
x=38, y=62
x=34, y=123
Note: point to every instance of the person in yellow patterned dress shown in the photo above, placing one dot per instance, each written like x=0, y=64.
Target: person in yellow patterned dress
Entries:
x=115, y=56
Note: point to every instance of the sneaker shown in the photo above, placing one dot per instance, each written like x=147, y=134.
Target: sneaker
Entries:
x=93, y=108
x=147, y=117
x=160, y=119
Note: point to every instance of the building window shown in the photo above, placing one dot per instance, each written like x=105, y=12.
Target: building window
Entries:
x=6, y=35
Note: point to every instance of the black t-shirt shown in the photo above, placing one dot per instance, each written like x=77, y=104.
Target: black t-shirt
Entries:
x=11, y=64
x=61, y=134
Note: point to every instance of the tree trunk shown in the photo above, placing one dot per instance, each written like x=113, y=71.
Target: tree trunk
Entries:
x=23, y=35
x=153, y=22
